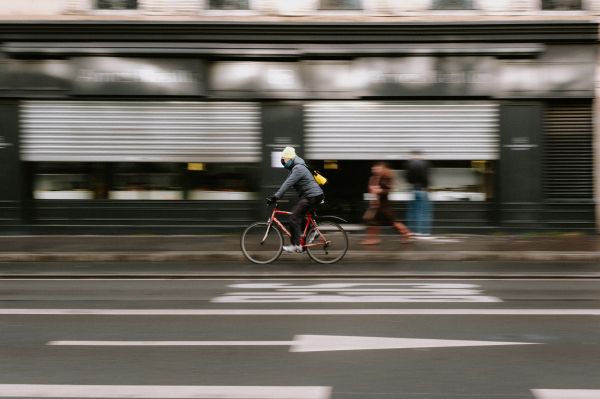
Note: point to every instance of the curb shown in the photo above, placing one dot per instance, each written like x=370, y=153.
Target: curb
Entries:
x=351, y=256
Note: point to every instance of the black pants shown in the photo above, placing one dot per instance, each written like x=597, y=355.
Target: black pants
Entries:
x=298, y=213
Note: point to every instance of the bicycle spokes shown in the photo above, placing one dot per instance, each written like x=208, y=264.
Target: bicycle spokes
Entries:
x=329, y=242
x=325, y=242
x=261, y=243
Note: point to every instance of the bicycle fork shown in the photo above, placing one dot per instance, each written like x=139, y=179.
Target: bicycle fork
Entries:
x=269, y=224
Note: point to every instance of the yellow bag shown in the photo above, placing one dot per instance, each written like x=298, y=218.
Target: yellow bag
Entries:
x=319, y=178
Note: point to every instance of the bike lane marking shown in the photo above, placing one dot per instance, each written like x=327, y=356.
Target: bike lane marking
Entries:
x=355, y=292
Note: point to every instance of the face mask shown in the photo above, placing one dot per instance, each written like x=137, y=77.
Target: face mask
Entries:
x=287, y=164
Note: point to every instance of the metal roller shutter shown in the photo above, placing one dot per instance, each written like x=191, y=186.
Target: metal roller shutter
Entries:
x=371, y=130
x=568, y=151
x=128, y=131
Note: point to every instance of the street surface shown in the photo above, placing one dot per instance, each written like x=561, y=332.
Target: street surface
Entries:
x=300, y=338
x=298, y=265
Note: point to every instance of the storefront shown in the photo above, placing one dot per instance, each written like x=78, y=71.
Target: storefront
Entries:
x=134, y=150
x=162, y=142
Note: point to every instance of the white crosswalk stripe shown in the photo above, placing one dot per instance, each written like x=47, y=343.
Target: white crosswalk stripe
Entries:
x=163, y=391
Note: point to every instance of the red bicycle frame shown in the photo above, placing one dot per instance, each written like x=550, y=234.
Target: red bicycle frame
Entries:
x=310, y=221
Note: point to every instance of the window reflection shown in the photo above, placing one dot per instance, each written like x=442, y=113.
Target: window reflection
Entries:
x=229, y=4
x=340, y=5
x=452, y=5
x=455, y=181
x=144, y=181
x=222, y=181
x=116, y=4
x=562, y=5
x=72, y=180
x=449, y=180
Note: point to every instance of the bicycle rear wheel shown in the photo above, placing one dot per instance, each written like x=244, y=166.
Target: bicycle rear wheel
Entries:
x=327, y=243
x=261, y=246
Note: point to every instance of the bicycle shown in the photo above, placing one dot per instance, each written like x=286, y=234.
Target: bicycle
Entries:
x=325, y=242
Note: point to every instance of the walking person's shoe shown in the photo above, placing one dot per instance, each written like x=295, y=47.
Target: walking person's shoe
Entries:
x=292, y=248
x=372, y=236
x=404, y=231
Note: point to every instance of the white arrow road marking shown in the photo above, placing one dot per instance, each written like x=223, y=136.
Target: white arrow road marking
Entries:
x=566, y=393
x=310, y=343
x=299, y=312
x=171, y=343
x=316, y=343
x=163, y=391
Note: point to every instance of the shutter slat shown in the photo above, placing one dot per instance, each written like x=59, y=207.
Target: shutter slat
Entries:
x=111, y=131
x=568, y=151
x=390, y=130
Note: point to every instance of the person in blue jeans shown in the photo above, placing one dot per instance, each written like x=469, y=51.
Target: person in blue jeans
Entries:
x=418, y=217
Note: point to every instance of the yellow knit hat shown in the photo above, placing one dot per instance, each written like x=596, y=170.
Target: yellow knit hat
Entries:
x=288, y=153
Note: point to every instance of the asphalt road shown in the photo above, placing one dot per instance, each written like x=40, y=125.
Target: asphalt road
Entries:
x=302, y=339
x=300, y=266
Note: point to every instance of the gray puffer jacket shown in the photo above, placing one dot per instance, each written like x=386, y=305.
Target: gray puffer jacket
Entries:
x=301, y=179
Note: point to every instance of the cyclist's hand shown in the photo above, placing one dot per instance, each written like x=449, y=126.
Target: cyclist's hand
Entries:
x=271, y=200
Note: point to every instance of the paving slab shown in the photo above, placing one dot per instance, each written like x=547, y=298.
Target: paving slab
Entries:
x=226, y=247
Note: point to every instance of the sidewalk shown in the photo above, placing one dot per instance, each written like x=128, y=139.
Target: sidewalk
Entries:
x=146, y=248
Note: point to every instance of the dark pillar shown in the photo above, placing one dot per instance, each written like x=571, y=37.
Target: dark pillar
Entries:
x=520, y=178
x=282, y=125
x=12, y=202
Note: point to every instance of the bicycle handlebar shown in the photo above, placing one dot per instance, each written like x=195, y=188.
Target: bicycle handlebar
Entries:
x=275, y=204
x=269, y=202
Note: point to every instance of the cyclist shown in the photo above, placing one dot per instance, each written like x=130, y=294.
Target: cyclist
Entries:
x=310, y=193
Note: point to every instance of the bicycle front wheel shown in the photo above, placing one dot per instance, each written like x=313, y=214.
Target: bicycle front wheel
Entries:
x=327, y=243
x=260, y=245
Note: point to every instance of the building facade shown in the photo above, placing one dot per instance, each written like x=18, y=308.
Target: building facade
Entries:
x=169, y=116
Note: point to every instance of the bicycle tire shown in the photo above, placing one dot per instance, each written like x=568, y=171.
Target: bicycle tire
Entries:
x=258, y=251
x=337, y=247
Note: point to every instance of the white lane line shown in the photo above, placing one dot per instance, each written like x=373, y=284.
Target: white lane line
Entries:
x=566, y=393
x=170, y=343
x=299, y=312
x=311, y=343
x=163, y=391
x=465, y=278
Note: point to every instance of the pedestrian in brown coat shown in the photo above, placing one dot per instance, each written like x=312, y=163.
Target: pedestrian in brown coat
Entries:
x=380, y=212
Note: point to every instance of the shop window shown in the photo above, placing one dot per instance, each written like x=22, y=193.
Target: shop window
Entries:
x=452, y=5
x=453, y=181
x=229, y=4
x=340, y=5
x=68, y=180
x=562, y=5
x=144, y=181
x=218, y=181
x=116, y=4
x=449, y=180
